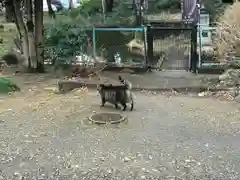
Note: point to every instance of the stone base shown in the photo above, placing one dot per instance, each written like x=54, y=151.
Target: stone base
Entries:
x=107, y=118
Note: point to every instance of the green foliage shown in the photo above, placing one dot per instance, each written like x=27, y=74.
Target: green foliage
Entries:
x=210, y=7
x=90, y=13
x=214, y=9
x=122, y=16
x=90, y=7
x=167, y=4
x=68, y=38
x=7, y=31
x=7, y=86
x=63, y=41
x=87, y=8
x=164, y=5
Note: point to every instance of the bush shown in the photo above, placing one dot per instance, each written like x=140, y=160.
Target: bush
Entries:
x=68, y=38
x=214, y=8
x=63, y=41
x=87, y=8
x=7, y=86
x=228, y=33
x=168, y=4
x=91, y=13
x=160, y=6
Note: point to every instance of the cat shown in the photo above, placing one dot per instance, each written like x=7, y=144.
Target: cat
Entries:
x=117, y=94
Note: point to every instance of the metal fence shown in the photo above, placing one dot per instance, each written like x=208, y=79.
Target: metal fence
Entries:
x=161, y=46
x=171, y=47
x=175, y=49
x=120, y=47
x=205, y=42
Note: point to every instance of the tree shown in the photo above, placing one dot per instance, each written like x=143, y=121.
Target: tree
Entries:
x=30, y=31
x=8, y=11
x=70, y=4
x=104, y=9
x=109, y=5
x=50, y=10
x=22, y=30
x=38, y=7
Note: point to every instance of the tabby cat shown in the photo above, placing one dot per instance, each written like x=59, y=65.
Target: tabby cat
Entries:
x=117, y=94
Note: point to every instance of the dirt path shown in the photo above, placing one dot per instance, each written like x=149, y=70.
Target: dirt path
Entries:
x=48, y=136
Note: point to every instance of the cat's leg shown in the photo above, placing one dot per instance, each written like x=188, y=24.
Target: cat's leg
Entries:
x=124, y=106
x=103, y=101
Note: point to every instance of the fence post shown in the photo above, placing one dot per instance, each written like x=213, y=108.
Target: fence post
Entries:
x=194, y=56
x=145, y=46
x=199, y=45
x=94, y=41
x=149, y=46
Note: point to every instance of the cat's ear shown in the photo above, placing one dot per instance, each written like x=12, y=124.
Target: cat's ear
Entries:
x=120, y=78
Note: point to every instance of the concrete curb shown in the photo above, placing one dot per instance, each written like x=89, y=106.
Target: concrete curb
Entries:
x=192, y=89
x=189, y=89
x=186, y=90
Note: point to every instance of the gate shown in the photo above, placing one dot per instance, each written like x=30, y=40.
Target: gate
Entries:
x=172, y=46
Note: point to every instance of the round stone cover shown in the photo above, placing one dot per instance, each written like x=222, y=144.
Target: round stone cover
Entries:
x=107, y=118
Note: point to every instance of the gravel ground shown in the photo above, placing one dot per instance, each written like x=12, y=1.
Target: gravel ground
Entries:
x=47, y=136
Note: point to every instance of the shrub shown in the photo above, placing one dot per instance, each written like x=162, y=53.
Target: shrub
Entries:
x=7, y=86
x=214, y=7
x=228, y=32
x=68, y=38
x=168, y=4
x=63, y=41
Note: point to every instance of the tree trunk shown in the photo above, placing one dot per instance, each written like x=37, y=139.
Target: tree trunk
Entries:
x=22, y=32
x=31, y=37
x=70, y=4
x=9, y=9
x=50, y=10
x=38, y=8
x=104, y=9
x=109, y=5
